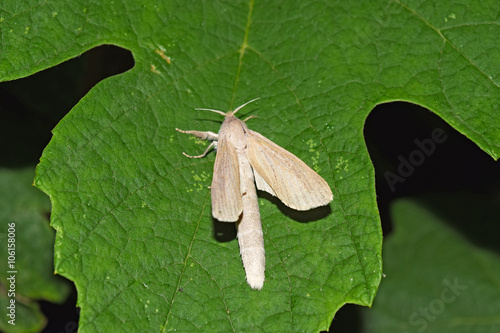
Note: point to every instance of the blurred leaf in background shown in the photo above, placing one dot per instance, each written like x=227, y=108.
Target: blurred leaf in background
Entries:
x=457, y=288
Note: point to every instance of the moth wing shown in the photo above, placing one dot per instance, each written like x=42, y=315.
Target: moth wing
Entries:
x=226, y=194
x=291, y=180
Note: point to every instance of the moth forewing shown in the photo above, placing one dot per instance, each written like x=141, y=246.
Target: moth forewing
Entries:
x=292, y=181
x=225, y=190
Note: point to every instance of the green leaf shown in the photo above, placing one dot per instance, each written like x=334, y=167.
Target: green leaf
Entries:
x=29, y=268
x=438, y=279
x=133, y=221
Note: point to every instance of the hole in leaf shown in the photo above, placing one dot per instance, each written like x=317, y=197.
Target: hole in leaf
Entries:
x=32, y=106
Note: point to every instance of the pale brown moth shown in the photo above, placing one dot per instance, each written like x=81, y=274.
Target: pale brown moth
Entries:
x=246, y=159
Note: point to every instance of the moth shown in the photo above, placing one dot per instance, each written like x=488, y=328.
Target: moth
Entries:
x=246, y=160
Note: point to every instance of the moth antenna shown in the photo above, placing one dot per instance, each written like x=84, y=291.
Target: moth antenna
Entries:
x=239, y=107
x=216, y=111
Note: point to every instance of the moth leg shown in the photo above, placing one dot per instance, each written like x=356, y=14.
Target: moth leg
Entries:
x=210, y=136
x=204, y=153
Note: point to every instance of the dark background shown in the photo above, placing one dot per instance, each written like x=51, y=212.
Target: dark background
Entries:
x=31, y=107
